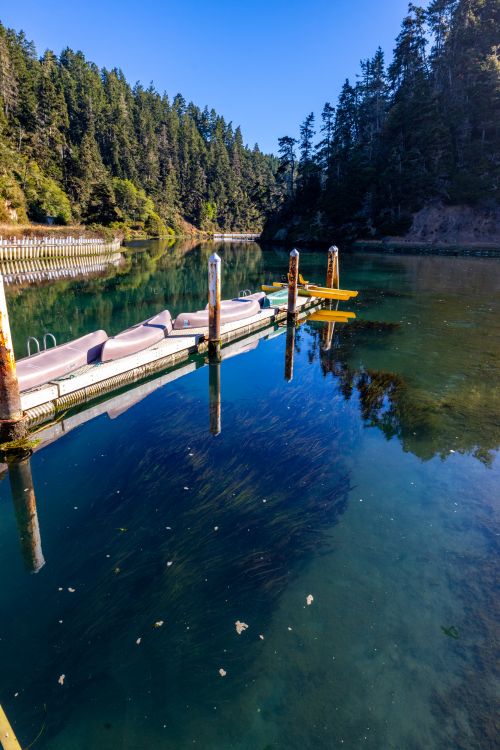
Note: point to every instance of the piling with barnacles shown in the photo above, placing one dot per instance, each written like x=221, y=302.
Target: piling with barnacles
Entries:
x=214, y=293
x=12, y=424
x=293, y=276
x=332, y=269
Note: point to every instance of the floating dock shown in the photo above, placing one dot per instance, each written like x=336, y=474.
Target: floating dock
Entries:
x=92, y=381
x=22, y=411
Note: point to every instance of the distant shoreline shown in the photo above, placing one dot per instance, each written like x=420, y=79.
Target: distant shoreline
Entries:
x=399, y=245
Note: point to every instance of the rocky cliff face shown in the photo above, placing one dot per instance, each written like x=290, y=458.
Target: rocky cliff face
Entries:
x=457, y=225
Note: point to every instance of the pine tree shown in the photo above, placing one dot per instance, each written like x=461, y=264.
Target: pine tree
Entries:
x=324, y=149
x=287, y=158
x=85, y=128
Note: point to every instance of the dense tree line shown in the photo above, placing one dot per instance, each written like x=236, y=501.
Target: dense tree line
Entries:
x=79, y=143
x=427, y=127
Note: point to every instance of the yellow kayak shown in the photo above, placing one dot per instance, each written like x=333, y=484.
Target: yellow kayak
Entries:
x=319, y=292
x=350, y=292
x=341, y=294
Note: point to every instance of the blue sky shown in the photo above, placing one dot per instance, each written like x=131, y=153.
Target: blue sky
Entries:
x=263, y=64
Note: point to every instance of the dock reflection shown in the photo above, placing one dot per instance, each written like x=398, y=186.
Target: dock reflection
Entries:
x=24, y=500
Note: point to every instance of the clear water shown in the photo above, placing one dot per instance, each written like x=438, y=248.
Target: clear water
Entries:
x=370, y=481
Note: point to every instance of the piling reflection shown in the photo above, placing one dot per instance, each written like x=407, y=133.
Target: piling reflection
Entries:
x=327, y=336
x=24, y=500
x=214, y=397
x=289, y=351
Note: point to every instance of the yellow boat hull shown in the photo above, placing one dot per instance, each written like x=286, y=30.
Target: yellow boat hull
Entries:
x=349, y=292
x=326, y=293
x=321, y=292
x=332, y=316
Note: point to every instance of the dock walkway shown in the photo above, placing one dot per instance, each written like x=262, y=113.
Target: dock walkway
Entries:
x=93, y=380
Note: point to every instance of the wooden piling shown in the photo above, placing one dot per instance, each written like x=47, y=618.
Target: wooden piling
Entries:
x=289, y=351
x=8, y=739
x=332, y=269
x=12, y=424
x=214, y=294
x=23, y=497
x=214, y=397
x=293, y=275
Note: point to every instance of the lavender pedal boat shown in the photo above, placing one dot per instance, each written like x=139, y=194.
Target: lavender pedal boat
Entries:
x=138, y=337
x=60, y=360
x=231, y=310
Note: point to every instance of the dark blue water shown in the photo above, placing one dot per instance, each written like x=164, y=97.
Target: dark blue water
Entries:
x=369, y=482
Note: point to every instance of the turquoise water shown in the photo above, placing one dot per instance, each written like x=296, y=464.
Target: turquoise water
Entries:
x=369, y=481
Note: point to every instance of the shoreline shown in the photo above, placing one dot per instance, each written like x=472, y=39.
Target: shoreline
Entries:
x=402, y=245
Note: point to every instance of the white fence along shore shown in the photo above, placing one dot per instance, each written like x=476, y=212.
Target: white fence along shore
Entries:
x=22, y=248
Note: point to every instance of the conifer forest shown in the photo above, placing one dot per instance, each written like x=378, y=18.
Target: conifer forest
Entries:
x=80, y=144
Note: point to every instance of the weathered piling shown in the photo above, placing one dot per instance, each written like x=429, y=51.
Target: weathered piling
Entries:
x=23, y=497
x=289, y=351
x=12, y=424
x=293, y=275
x=8, y=739
x=214, y=293
x=332, y=269
x=214, y=397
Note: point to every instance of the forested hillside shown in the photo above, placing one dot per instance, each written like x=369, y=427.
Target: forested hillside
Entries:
x=424, y=129
x=80, y=144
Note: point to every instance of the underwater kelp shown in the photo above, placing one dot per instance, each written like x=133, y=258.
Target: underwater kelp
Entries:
x=227, y=539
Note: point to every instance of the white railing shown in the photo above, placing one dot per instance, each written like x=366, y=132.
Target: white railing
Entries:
x=21, y=248
x=235, y=236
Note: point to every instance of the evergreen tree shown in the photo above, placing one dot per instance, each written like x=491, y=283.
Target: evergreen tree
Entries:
x=324, y=149
x=306, y=162
x=63, y=119
x=427, y=129
x=287, y=159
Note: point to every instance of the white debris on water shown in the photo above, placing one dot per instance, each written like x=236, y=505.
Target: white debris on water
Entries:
x=309, y=599
x=222, y=672
x=61, y=679
x=240, y=627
